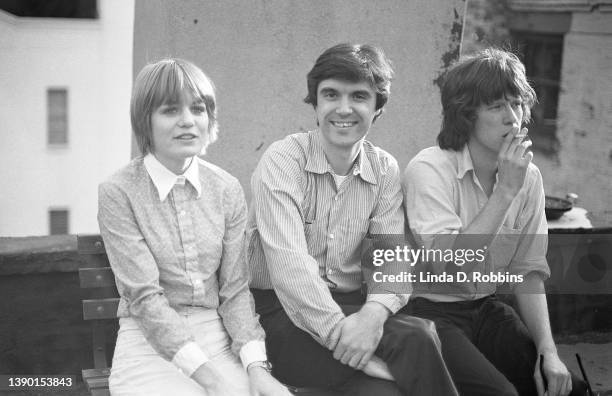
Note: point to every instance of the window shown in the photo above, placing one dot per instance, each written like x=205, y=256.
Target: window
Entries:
x=542, y=54
x=57, y=113
x=58, y=221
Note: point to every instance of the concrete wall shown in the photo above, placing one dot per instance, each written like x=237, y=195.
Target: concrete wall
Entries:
x=93, y=60
x=258, y=54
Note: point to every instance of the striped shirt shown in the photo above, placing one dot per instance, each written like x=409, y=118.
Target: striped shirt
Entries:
x=176, y=246
x=305, y=234
x=442, y=195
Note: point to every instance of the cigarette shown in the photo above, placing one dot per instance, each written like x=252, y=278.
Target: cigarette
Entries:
x=521, y=135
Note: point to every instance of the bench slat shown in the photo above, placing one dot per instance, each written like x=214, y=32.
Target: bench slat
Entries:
x=103, y=308
x=90, y=244
x=94, y=261
x=96, y=277
x=94, y=383
x=100, y=392
x=96, y=373
x=96, y=380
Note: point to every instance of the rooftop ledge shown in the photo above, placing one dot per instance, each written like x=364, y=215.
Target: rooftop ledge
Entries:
x=561, y=5
x=58, y=253
x=41, y=254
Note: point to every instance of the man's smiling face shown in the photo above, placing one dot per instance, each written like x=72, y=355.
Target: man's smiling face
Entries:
x=345, y=112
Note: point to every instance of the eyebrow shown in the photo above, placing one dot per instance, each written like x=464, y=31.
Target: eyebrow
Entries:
x=364, y=93
x=328, y=89
x=333, y=90
x=196, y=101
x=504, y=100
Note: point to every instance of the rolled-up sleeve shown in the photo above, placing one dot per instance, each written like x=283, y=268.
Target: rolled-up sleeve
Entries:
x=531, y=251
x=388, y=222
x=293, y=272
x=137, y=278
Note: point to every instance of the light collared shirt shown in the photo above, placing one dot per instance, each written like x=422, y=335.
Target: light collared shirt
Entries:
x=175, y=246
x=442, y=195
x=164, y=179
x=305, y=233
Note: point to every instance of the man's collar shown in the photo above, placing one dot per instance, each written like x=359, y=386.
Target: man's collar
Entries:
x=315, y=158
x=464, y=161
x=164, y=179
x=363, y=167
x=317, y=163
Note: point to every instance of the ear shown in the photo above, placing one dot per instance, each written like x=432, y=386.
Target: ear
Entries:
x=377, y=114
x=314, y=107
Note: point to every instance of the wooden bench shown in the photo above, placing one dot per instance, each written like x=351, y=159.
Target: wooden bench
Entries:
x=96, y=276
x=100, y=308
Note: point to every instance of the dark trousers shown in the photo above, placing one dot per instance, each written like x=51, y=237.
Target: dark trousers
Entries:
x=485, y=345
x=409, y=346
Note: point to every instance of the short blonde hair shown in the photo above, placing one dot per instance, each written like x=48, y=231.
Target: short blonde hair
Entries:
x=164, y=82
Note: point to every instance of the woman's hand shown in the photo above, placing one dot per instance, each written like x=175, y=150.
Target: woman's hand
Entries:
x=209, y=377
x=262, y=383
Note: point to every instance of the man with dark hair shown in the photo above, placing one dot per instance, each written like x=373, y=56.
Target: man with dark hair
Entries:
x=479, y=190
x=316, y=196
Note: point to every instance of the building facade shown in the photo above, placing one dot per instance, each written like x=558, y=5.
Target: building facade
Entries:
x=64, y=104
x=567, y=48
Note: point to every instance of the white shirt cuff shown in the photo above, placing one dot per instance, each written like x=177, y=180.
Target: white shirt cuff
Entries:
x=391, y=301
x=253, y=351
x=189, y=358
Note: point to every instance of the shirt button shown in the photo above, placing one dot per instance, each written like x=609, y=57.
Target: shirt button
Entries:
x=197, y=282
x=330, y=271
x=331, y=236
x=182, y=213
x=336, y=198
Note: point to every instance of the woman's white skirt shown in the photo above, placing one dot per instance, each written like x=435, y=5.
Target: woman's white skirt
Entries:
x=139, y=370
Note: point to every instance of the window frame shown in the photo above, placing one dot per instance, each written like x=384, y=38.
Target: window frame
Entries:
x=58, y=117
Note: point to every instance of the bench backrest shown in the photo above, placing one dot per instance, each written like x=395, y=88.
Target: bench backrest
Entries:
x=96, y=277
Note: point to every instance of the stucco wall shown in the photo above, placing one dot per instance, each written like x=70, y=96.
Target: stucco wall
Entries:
x=258, y=54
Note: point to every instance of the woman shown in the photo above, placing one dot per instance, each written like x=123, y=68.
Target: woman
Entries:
x=173, y=227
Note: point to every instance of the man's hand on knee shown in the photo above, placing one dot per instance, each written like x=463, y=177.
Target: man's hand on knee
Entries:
x=356, y=337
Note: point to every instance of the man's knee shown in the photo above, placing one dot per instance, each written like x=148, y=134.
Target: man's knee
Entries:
x=298, y=359
x=410, y=337
x=422, y=331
